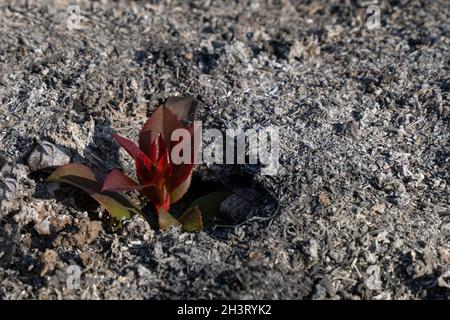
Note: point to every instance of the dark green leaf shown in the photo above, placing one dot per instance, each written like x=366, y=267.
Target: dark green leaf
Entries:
x=209, y=206
x=81, y=176
x=166, y=220
x=192, y=220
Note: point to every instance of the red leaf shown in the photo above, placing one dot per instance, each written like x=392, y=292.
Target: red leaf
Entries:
x=185, y=108
x=154, y=149
x=117, y=181
x=159, y=153
x=182, y=172
x=162, y=121
x=144, y=169
x=128, y=145
x=163, y=168
x=179, y=191
x=143, y=163
x=155, y=195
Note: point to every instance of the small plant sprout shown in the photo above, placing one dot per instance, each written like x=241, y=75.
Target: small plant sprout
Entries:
x=161, y=176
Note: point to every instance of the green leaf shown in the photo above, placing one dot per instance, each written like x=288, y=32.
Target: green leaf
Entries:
x=192, y=220
x=119, y=206
x=209, y=206
x=166, y=220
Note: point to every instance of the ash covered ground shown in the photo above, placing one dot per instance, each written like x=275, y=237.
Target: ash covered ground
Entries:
x=358, y=210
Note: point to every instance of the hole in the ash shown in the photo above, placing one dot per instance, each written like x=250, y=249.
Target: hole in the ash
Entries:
x=244, y=198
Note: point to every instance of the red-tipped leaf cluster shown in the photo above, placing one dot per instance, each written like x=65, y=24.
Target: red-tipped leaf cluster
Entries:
x=159, y=179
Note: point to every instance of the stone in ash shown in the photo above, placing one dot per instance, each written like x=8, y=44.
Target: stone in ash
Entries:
x=47, y=155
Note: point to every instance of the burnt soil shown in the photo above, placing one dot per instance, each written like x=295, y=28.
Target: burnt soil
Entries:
x=358, y=210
